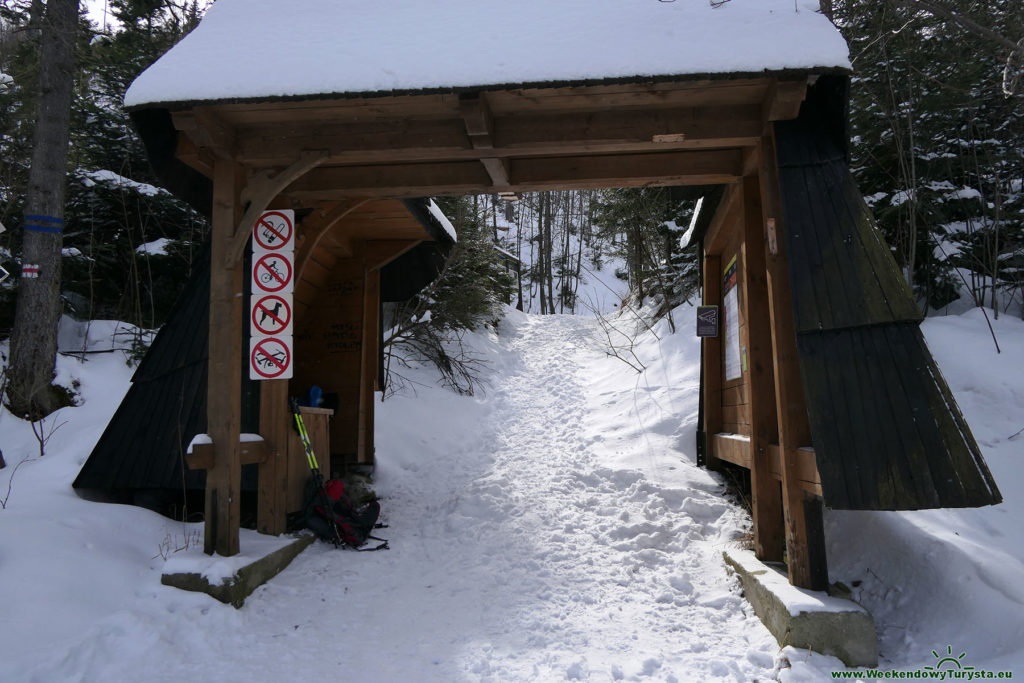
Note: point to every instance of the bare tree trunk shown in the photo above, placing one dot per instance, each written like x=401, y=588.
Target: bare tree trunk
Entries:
x=549, y=273
x=912, y=160
x=34, y=336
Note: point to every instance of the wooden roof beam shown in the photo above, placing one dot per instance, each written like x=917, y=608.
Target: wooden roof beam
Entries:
x=468, y=177
x=476, y=114
x=629, y=170
x=482, y=135
x=207, y=130
x=192, y=155
x=783, y=99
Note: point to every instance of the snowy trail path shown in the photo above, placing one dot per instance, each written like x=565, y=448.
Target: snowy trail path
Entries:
x=539, y=564
x=517, y=553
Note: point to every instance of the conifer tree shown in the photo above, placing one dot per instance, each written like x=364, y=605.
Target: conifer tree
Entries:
x=34, y=337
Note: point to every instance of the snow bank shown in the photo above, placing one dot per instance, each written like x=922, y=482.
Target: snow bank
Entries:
x=938, y=578
x=253, y=49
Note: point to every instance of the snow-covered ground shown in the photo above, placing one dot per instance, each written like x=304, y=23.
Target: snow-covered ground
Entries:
x=552, y=527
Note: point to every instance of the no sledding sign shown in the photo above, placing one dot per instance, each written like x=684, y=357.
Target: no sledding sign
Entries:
x=270, y=358
x=274, y=231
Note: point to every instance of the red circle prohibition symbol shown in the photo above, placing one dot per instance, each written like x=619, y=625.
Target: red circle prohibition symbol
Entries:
x=276, y=363
x=271, y=314
x=268, y=277
x=266, y=230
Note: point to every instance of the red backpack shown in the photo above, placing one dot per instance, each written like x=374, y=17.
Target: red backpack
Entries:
x=332, y=516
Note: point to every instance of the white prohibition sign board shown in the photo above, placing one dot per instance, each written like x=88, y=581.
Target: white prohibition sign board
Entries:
x=274, y=231
x=271, y=315
x=272, y=273
x=270, y=358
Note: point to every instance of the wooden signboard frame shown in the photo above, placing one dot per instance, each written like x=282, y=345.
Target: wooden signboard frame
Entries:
x=759, y=421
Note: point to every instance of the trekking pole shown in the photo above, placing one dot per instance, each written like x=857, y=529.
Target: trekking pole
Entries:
x=314, y=466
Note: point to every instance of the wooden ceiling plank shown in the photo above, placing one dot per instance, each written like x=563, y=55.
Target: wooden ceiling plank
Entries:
x=313, y=228
x=328, y=182
x=378, y=253
x=416, y=180
x=626, y=166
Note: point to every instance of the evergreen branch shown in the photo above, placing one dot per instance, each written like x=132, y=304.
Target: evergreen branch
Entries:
x=940, y=9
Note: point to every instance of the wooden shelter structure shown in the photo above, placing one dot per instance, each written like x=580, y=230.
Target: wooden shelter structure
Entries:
x=357, y=103
x=142, y=456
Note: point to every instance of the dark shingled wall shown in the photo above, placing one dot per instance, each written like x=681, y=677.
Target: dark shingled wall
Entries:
x=886, y=430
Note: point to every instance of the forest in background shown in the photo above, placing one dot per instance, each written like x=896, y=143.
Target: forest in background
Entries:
x=936, y=143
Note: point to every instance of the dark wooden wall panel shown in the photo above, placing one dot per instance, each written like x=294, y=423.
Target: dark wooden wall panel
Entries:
x=328, y=346
x=887, y=433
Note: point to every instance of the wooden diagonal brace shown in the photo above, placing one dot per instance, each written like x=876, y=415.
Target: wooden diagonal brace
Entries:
x=316, y=226
x=261, y=190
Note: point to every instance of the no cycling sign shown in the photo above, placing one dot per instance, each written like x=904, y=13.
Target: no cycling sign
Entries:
x=272, y=273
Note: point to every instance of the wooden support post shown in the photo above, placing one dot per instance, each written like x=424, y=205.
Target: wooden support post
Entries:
x=805, y=537
x=766, y=498
x=275, y=425
x=224, y=376
x=368, y=365
x=711, y=358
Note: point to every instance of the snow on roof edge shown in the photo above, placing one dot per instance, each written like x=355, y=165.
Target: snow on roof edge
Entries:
x=787, y=73
x=438, y=214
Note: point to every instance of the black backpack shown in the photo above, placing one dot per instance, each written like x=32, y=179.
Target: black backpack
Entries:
x=352, y=526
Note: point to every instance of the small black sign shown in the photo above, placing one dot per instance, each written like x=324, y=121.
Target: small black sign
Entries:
x=707, y=321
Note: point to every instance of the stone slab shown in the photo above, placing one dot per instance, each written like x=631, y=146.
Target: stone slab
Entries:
x=805, y=619
x=239, y=584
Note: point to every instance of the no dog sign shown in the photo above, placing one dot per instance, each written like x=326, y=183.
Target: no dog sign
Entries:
x=271, y=314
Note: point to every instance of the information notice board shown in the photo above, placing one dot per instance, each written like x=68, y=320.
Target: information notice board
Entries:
x=730, y=302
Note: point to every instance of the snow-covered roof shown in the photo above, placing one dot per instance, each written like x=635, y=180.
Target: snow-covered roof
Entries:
x=253, y=49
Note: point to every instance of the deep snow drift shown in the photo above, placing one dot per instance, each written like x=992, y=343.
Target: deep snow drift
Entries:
x=552, y=527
